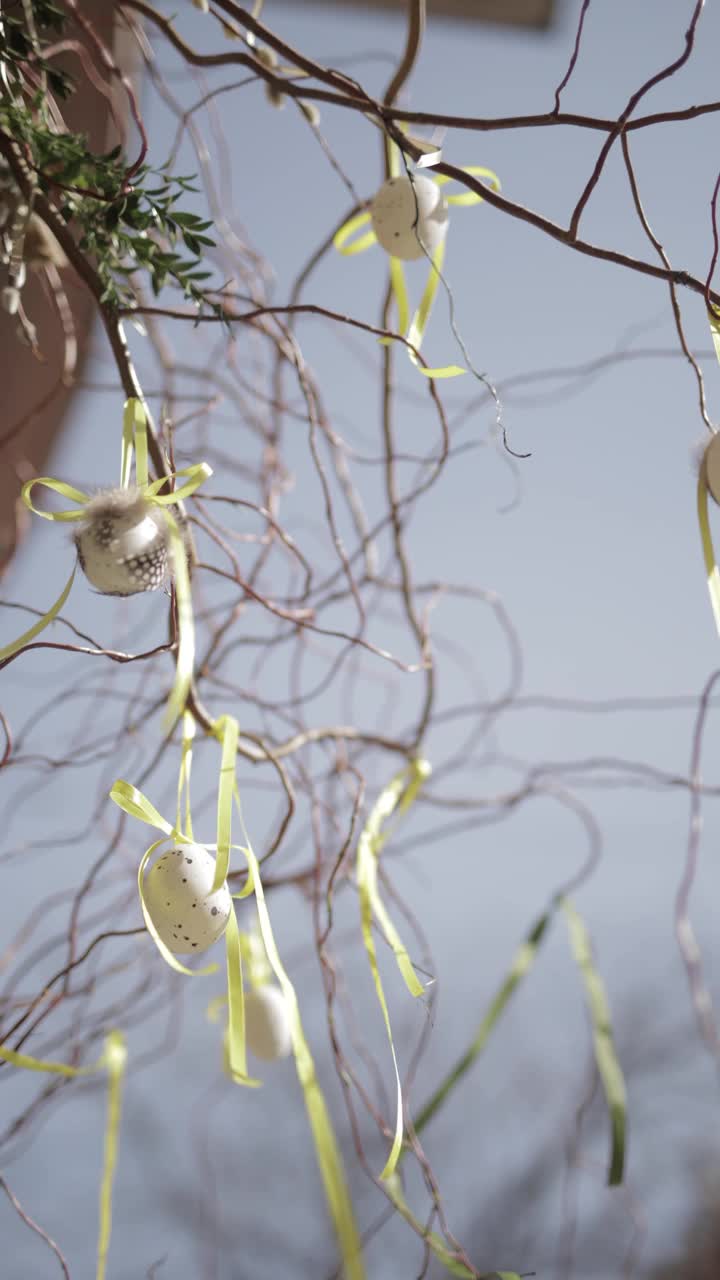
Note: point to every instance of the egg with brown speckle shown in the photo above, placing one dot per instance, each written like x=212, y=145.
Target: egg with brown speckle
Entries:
x=408, y=214
x=712, y=467
x=187, y=916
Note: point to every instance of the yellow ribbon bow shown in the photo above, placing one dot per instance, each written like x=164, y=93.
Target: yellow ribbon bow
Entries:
x=134, y=441
x=413, y=329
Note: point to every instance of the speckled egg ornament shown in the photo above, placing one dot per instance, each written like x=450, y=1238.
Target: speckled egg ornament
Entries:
x=122, y=544
x=187, y=916
x=267, y=1025
x=405, y=212
x=712, y=467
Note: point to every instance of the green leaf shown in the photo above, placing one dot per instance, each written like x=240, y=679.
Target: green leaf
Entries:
x=606, y=1058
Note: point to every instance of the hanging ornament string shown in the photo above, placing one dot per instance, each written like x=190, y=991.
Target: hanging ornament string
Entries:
x=399, y=794
x=113, y=1061
x=349, y=243
x=134, y=442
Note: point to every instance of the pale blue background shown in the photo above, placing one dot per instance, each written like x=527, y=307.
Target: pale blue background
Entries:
x=599, y=567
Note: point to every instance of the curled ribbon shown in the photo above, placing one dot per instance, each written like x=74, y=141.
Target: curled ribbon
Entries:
x=133, y=802
x=113, y=1062
x=348, y=243
x=134, y=442
x=399, y=794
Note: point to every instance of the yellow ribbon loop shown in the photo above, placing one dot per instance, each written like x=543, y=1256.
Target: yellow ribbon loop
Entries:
x=131, y=801
x=197, y=474
x=414, y=330
x=399, y=794
x=343, y=240
x=113, y=1061
x=466, y=198
x=65, y=491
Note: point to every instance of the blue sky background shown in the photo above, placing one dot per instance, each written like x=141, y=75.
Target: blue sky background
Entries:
x=598, y=564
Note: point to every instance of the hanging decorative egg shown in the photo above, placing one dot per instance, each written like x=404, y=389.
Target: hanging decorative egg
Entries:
x=406, y=211
x=122, y=544
x=187, y=916
x=267, y=1025
x=712, y=467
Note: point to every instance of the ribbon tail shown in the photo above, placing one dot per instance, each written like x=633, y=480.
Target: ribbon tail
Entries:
x=711, y=568
x=235, y=1044
x=115, y=1059
x=186, y=629
x=9, y=650
x=326, y=1148
x=228, y=731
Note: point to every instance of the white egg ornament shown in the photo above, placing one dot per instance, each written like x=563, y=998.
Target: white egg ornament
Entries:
x=122, y=544
x=712, y=467
x=187, y=916
x=267, y=1024
x=406, y=211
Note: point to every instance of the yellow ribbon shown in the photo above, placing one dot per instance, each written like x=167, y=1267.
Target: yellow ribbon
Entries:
x=227, y=731
x=711, y=568
x=398, y=794
x=184, y=775
x=326, y=1148
x=134, y=443
x=113, y=1061
x=348, y=243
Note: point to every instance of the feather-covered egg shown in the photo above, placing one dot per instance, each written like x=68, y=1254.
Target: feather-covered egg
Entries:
x=712, y=467
x=267, y=1024
x=405, y=212
x=122, y=544
x=187, y=916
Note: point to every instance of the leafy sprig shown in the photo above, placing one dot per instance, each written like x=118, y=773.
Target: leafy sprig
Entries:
x=16, y=47
x=123, y=227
